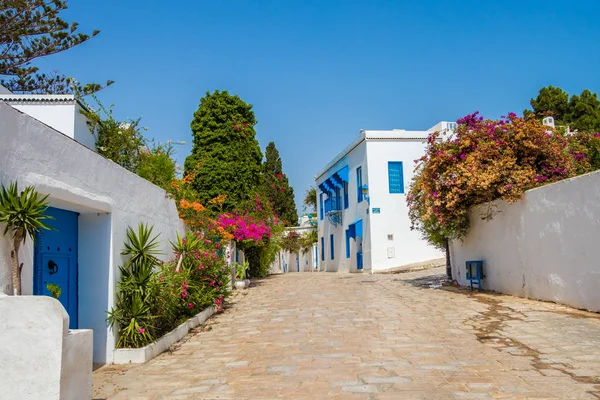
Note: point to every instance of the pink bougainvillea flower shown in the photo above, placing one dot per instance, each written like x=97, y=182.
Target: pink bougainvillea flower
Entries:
x=141, y=330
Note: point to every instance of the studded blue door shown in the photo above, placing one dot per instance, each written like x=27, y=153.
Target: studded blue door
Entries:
x=56, y=260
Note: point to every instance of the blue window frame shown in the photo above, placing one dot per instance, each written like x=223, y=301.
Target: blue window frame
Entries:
x=332, y=247
x=321, y=204
x=322, y=248
x=359, y=184
x=348, y=243
x=337, y=204
x=346, y=195
x=395, y=177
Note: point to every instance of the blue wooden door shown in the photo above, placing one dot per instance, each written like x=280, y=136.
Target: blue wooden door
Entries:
x=56, y=260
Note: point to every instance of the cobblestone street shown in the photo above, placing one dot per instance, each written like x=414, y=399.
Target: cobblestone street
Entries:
x=360, y=336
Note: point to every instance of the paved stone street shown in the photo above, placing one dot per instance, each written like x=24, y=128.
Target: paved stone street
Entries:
x=359, y=336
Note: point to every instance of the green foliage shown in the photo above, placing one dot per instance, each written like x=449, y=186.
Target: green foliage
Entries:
x=290, y=242
x=226, y=158
x=580, y=113
x=307, y=240
x=260, y=258
x=132, y=312
x=277, y=187
x=585, y=149
x=551, y=101
x=482, y=161
x=54, y=289
x=154, y=297
x=22, y=213
x=32, y=29
x=584, y=112
x=124, y=143
x=121, y=142
x=310, y=199
x=156, y=164
x=240, y=270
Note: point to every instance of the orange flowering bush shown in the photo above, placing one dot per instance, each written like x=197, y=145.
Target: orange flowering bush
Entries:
x=483, y=160
x=585, y=149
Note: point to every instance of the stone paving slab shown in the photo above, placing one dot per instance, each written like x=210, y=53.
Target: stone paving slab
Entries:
x=359, y=336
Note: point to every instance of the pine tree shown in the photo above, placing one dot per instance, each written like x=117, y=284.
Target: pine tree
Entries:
x=226, y=158
x=277, y=187
x=30, y=30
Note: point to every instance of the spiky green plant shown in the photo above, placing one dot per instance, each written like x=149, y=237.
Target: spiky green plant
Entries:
x=132, y=312
x=23, y=215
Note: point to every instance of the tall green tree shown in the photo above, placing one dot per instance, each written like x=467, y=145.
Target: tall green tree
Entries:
x=551, y=101
x=29, y=30
x=580, y=113
x=277, y=187
x=584, y=112
x=226, y=157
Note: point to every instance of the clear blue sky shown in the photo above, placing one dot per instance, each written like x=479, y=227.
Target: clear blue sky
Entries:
x=318, y=71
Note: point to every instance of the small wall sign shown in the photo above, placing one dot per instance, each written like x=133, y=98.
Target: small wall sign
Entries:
x=376, y=210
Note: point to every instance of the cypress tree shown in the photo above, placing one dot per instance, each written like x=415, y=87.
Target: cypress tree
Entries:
x=277, y=187
x=226, y=157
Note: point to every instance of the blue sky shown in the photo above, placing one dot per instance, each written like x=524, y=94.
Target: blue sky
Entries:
x=319, y=71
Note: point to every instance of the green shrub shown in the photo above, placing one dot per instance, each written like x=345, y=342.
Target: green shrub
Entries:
x=153, y=301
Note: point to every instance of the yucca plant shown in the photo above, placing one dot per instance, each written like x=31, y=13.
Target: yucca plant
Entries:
x=22, y=213
x=132, y=312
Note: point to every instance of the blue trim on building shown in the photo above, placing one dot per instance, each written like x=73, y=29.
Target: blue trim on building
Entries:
x=395, y=177
x=331, y=243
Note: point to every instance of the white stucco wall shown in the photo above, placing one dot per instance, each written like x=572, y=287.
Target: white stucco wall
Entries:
x=406, y=247
x=108, y=198
x=543, y=247
x=41, y=358
x=62, y=114
x=372, y=151
x=355, y=157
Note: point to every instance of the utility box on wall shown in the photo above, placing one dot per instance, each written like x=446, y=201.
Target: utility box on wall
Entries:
x=391, y=252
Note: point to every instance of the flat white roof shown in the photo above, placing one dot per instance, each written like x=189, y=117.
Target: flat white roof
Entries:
x=393, y=134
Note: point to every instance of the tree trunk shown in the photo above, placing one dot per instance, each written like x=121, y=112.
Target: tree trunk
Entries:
x=14, y=258
x=448, y=264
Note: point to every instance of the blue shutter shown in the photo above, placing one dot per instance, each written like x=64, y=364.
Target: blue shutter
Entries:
x=348, y=243
x=359, y=184
x=332, y=247
x=322, y=248
x=346, y=195
x=321, y=204
x=396, y=177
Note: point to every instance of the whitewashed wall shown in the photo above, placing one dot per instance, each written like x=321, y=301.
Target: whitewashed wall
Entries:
x=546, y=246
x=406, y=247
x=108, y=198
x=41, y=357
x=61, y=112
x=379, y=253
x=355, y=157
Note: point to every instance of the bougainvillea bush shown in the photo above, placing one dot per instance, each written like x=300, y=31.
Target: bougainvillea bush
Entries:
x=166, y=294
x=585, y=149
x=483, y=160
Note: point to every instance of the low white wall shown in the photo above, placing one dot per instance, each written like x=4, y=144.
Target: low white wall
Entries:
x=108, y=198
x=545, y=246
x=41, y=358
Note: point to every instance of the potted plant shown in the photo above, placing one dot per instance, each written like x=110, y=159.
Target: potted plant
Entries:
x=240, y=275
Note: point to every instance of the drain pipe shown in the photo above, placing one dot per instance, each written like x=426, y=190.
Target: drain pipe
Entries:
x=448, y=264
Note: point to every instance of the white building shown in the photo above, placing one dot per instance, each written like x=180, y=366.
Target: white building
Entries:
x=45, y=143
x=59, y=111
x=361, y=205
x=297, y=262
